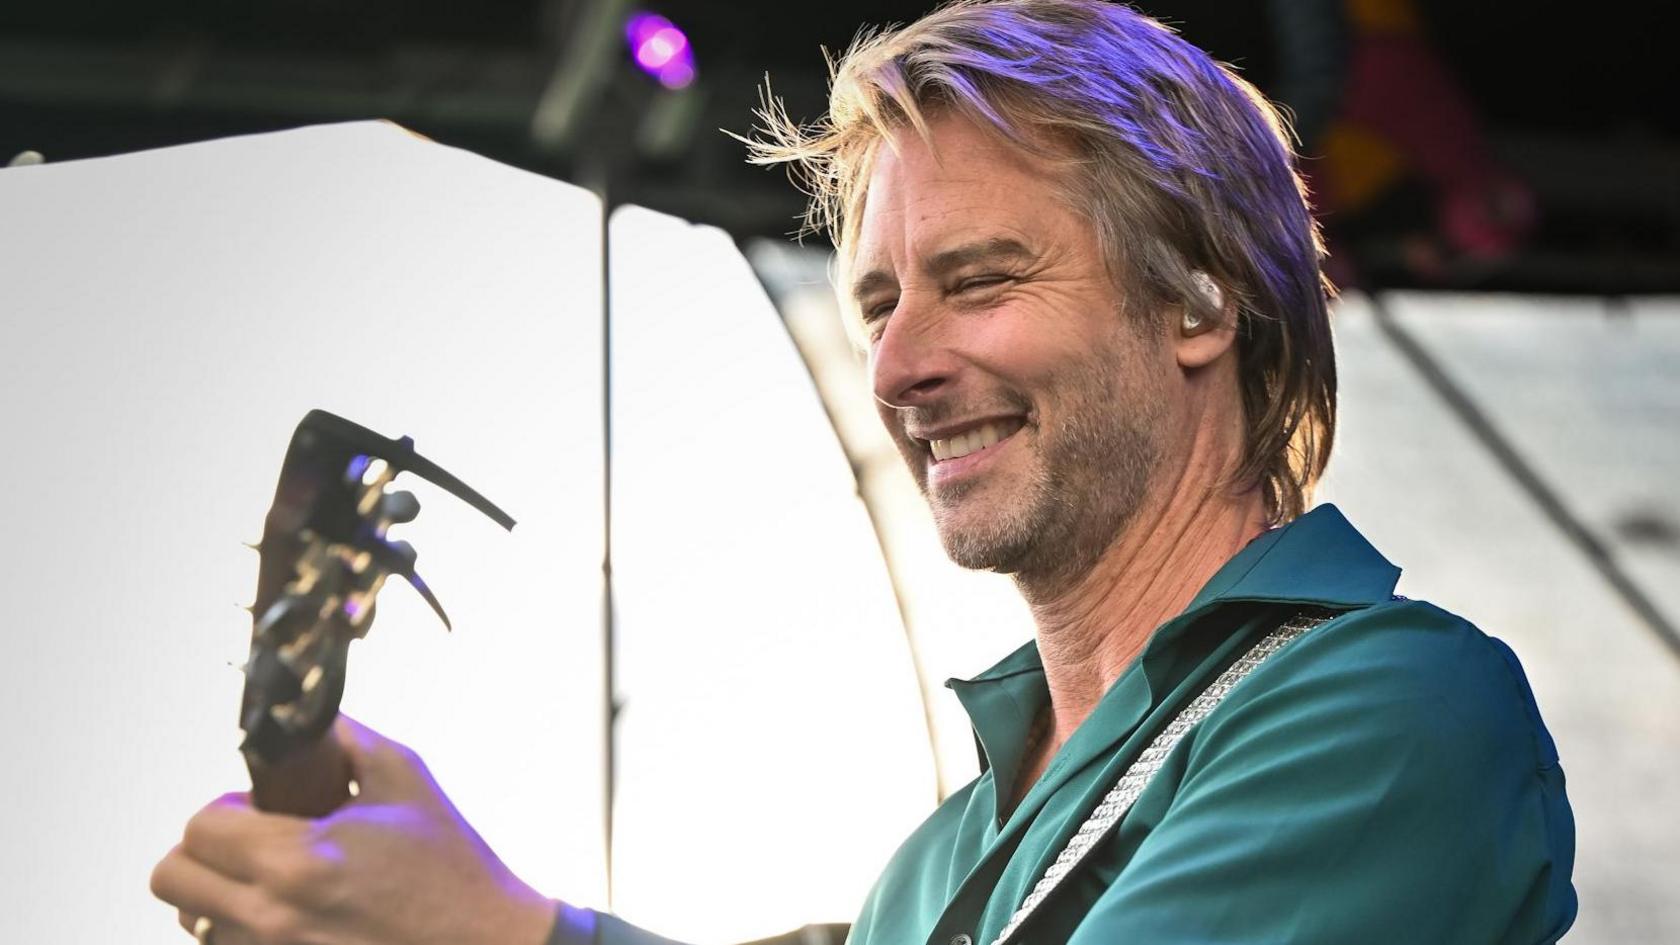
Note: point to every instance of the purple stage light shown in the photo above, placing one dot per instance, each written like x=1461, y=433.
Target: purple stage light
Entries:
x=660, y=49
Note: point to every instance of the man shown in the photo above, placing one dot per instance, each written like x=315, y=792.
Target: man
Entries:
x=1097, y=332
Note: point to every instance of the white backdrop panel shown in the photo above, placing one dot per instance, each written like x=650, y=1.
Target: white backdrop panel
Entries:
x=774, y=752
x=165, y=320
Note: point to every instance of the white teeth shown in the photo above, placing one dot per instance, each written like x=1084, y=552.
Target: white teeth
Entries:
x=965, y=443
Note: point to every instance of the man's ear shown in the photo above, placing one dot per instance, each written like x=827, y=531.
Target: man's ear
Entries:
x=1203, y=345
x=1206, y=330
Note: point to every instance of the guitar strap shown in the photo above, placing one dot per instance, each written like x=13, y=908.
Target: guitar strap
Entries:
x=1114, y=805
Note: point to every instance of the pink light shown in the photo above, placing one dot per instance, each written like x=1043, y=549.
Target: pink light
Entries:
x=660, y=49
x=677, y=75
x=642, y=25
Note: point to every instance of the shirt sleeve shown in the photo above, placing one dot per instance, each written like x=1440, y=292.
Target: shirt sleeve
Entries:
x=1384, y=779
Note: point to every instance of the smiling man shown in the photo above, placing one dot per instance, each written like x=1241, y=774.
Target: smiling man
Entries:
x=1089, y=287
x=1031, y=409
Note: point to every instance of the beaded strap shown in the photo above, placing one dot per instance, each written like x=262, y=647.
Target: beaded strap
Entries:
x=1137, y=777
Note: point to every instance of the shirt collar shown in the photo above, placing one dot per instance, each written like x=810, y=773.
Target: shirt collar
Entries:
x=1317, y=559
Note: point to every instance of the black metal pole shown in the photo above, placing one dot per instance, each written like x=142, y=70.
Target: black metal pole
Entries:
x=601, y=179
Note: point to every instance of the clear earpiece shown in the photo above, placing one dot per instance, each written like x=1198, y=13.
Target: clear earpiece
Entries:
x=1210, y=289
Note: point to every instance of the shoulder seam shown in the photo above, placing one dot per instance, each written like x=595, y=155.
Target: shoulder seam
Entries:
x=1490, y=649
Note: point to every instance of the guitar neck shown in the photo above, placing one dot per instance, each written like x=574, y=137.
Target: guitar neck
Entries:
x=325, y=556
x=311, y=782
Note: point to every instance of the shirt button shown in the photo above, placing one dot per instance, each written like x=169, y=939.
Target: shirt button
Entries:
x=962, y=938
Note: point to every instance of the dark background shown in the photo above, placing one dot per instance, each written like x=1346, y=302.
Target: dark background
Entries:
x=1575, y=100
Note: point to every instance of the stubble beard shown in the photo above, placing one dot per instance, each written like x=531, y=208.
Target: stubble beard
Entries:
x=1088, y=477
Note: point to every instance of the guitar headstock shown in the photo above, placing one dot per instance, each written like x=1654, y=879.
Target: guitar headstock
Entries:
x=325, y=556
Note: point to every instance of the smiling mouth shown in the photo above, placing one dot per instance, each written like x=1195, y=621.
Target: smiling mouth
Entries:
x=973, y=441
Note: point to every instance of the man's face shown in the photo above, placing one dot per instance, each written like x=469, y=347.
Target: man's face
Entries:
x=1029, y=406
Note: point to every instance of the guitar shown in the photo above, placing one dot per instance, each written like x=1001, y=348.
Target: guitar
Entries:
x=325, y=557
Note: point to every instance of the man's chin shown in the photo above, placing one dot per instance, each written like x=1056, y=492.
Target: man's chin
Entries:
x=984, y=556
x=983, y=545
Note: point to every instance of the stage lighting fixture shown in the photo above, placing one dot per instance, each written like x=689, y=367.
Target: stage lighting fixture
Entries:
x=660, y=49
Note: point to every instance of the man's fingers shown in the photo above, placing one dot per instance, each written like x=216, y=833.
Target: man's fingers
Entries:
x=195, y=889
x=384, y=769
x=240, y=913
x=224, y=932
x=230, y=836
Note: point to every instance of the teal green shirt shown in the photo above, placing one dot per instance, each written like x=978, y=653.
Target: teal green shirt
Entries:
x=1384, y=778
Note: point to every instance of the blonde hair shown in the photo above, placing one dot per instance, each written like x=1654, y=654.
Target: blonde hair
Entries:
x=1181, y=166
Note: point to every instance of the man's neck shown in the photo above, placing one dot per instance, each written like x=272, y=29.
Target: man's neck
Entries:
x=1090, y=630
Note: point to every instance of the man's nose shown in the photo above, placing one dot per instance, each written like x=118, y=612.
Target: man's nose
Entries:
x=911, y=362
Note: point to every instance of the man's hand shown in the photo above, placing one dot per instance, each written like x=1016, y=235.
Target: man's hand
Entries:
x=396, y=866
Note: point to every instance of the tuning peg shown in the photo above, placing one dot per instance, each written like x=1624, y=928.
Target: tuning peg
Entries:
x=399, y=507
x=398, y=557
x=404, y=552
x=415, y=581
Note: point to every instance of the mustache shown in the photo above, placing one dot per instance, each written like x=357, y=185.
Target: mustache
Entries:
x=944, y=411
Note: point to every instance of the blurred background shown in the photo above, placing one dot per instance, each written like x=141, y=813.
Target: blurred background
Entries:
x=1500, y=187
x=1527, y=146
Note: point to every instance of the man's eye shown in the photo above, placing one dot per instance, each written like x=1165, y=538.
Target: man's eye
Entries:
x=987, y=281
x=875, y=313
